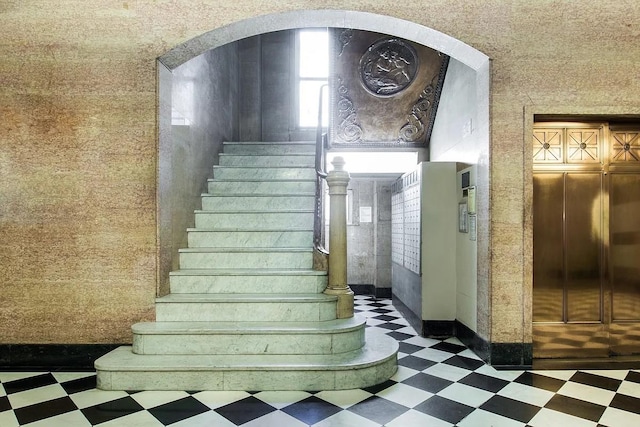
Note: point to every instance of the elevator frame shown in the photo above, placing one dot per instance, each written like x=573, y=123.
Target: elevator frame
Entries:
x=604, y=337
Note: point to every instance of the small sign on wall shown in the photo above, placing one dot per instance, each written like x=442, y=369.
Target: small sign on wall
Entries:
x=462, y=218
x=365, y=214
x=471, y=200
x=473, y=227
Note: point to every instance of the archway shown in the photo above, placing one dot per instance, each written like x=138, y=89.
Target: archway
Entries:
x=467, y=57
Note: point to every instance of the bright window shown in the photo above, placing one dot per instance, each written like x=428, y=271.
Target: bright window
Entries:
x=312, y=73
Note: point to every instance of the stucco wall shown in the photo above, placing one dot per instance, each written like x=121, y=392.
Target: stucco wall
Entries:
x=78, y=140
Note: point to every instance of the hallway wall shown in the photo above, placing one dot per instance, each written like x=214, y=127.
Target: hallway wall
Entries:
x=266, y=79
x=369, y=239
x=78, y=150
x=202, y=99
x=458, y=136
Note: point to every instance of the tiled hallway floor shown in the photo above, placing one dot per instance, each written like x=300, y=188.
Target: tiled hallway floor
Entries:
x=438, y=383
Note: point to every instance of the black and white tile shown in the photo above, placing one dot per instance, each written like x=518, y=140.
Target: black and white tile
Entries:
x=438, y=383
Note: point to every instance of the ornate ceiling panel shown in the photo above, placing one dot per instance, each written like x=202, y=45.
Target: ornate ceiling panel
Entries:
x=385, y=90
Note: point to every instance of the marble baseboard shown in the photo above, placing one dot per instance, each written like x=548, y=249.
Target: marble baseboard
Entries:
x=473, y=341
x=499, y=355
x=441, y=329
x=413, y=319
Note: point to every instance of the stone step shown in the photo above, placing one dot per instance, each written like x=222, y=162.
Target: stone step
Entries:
x=296, y=219
x=256, y=202
x=211, y=238
x=245, y=308
x=269, y=148
x=289, y=258
x=276, y=186
x=329, y=337
x=308, y=160
x=372, y=364
x=247, y=281
x=240, y=172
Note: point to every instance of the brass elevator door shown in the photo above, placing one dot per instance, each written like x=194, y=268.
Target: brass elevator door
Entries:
x=586, y=251
x=624, y=262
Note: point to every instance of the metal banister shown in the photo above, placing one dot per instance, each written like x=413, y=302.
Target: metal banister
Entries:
x=321, y=174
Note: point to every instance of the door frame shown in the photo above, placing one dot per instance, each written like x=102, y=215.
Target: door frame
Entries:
x=561, y=112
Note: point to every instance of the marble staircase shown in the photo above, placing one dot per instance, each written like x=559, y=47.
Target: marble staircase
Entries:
x=246, y=310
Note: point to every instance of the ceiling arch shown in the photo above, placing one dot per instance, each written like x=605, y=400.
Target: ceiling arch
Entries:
x=408, y=30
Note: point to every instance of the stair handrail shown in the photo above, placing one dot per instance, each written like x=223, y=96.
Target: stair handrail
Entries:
x=321, y=174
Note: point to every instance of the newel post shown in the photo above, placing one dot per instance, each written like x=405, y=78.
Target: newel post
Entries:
x=337, y=180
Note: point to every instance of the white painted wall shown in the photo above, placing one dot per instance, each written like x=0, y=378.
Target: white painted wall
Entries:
x=457, y=137
x=439, y=227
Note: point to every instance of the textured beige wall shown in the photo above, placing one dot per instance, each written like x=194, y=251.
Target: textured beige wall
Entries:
x=78, y=139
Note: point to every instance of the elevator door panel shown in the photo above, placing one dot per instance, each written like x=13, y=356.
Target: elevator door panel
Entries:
x=582, y=247
x=568, y=265
x=548, y=264
x=624, y=262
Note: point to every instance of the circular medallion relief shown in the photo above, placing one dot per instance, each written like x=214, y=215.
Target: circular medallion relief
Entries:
x=388, y=67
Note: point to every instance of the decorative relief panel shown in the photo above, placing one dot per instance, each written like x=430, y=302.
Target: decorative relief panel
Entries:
x=548, y=145
x=583, y=146
x=349, y=129
x=385, y=90
x=586, y=146
x=416, y=127
x=388, y=67
x=625, y=147
x=343, y=38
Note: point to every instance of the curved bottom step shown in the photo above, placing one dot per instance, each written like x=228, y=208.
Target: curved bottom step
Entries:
x=373, y=364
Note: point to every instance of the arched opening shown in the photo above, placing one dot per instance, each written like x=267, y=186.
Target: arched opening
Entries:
x=460, y=134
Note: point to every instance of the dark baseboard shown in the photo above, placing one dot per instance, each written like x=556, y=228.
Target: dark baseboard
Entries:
x=511, y=355
x=383, y=293
x=473, y=341
x=609, y=363
x=410, y=316
x=499, y=355
x=441, y=329
x=51, y=357
x=371, y=290
x=363, y=289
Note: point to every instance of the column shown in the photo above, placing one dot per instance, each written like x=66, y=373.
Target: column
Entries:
x=337, y=180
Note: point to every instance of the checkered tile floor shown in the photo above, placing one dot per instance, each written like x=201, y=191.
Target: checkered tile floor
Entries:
x=438, y=383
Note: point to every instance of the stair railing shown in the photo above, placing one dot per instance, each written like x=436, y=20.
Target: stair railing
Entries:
x=321, y=174
x=336, y=262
